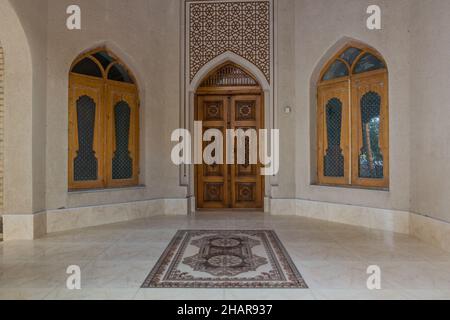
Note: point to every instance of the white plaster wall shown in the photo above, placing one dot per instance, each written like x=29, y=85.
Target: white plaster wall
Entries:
x=319, y=26
x=145, y=34
x=285, y=96
x=430, y=110
x=18, y=113
x=33, y=16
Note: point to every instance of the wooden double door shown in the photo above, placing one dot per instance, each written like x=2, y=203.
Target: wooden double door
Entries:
x=230, y=186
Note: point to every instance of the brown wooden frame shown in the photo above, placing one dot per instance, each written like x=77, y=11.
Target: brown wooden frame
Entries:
x=375, y=81
x=356, y=85
x=233, y=93
x=326, y=92
x=107, y=94
x=259, y=180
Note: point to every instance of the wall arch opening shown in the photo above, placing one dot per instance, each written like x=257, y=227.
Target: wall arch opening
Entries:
x=352, y=119
x=230, y=98
x=103, y=122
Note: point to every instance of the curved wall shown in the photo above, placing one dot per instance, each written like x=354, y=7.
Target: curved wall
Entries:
x=323, y=27
x=146, y=35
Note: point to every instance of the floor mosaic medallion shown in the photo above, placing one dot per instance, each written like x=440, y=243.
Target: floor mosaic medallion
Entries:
x=225, y=259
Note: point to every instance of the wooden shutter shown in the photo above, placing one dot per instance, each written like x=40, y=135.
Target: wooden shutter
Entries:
x=333, y=160
x=371, y=85
x=84, y=89
x=122, y=137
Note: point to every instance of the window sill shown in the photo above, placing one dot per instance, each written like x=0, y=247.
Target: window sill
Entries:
x=104, y=190
x=350, y=187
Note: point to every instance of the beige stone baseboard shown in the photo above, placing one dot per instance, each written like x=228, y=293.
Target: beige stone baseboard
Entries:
x=77, y=218
x=430, y=230
x=24, y=226
x=373, y=218
x=29, y=227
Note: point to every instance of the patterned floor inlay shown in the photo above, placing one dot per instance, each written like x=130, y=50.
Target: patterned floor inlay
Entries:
x=225, y=259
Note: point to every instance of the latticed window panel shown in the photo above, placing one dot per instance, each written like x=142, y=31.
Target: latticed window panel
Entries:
x=368, y=62
x=350, y=55
x=371, y=162
x=122, y=163
x=337, y=70
x=334, y=160
x=353, y=125
x=110, y=67
x=229, y=76
x=85, y=163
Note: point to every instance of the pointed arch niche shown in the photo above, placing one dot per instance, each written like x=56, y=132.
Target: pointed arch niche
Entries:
x=241, y=73
x=103, y=123
x=352, y=116
x=204, y=49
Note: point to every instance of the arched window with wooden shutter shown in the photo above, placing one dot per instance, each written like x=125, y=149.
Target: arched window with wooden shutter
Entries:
x=353, y=119
x=103, y=123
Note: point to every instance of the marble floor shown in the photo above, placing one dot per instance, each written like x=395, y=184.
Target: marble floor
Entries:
x=115, y=260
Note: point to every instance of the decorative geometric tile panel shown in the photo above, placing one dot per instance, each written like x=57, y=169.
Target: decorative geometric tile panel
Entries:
x=216, y=27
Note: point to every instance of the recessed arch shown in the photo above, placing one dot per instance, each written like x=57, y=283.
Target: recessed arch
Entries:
x=227, y=98
x=229, y=57
x=104, y=60
x=187, y=172
x=350, y=57
x=18, y=105
x=352, y=149
x=104, y=122
x=119, y=53
x=229, y=75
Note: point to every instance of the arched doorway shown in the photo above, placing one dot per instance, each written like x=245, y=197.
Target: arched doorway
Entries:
x=230, y=98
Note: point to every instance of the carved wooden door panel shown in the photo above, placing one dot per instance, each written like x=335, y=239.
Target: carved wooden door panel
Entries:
x=212, y=183
x=233, y=186
x=245, y=178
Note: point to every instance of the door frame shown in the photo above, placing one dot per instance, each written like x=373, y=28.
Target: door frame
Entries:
x=187, y=116
x=233, y=92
